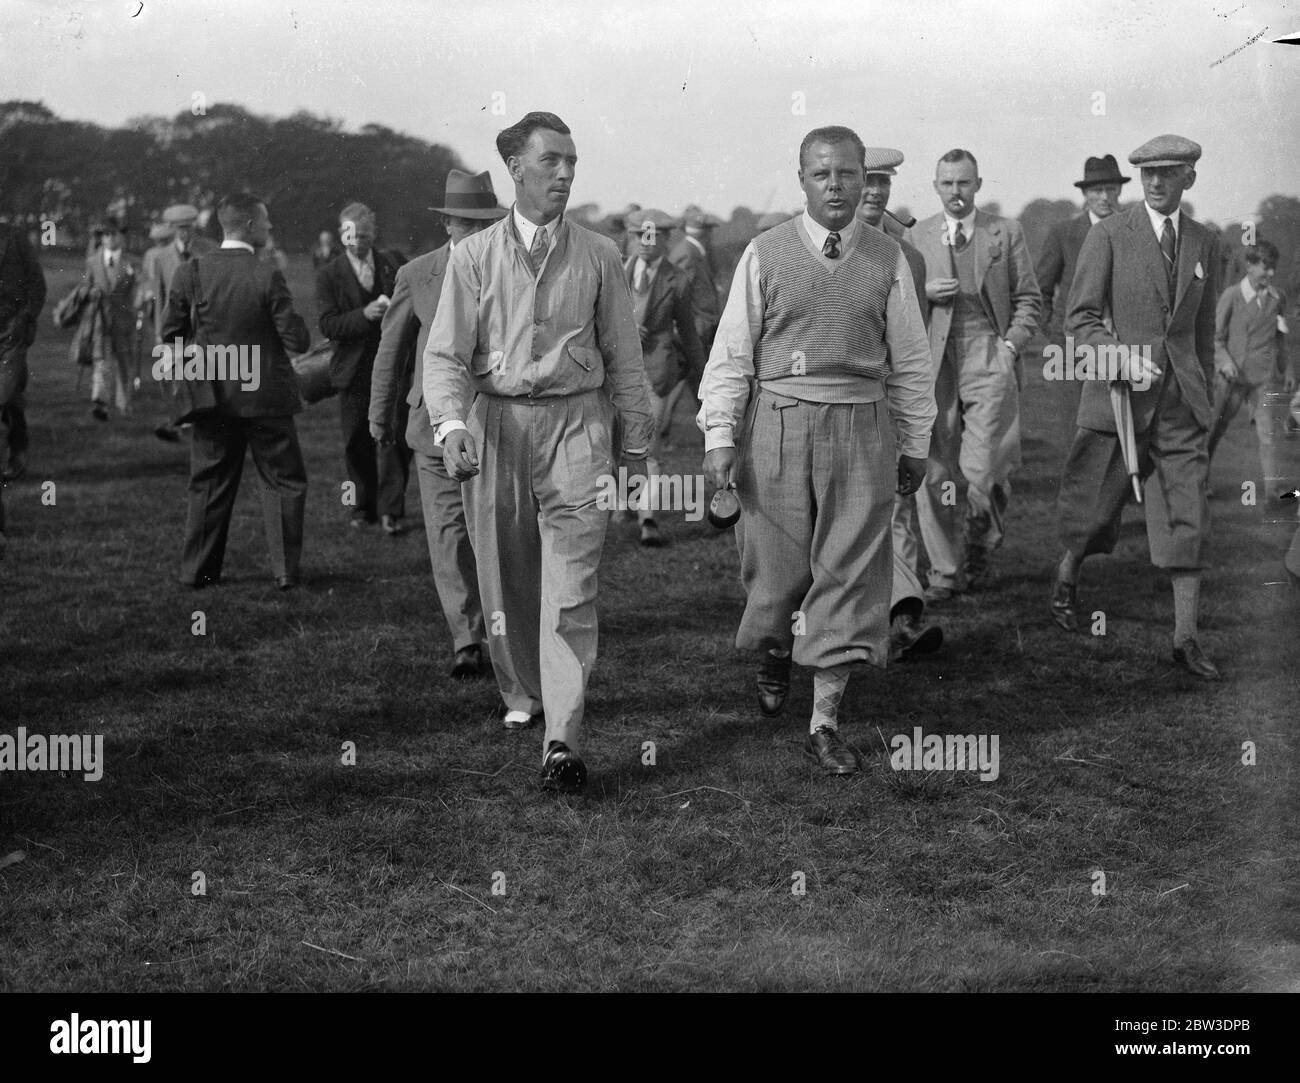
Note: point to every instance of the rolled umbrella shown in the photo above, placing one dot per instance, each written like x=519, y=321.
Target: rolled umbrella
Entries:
x=1122, y=407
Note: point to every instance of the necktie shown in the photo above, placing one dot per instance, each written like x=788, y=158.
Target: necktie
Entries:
x=538, y=251
x=831, y=249
x=640, y=276
x=1168, y=246
x=959, y=238
x=185, y=255
x=367, y=278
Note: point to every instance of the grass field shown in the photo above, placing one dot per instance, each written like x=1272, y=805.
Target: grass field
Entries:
x=223, y=756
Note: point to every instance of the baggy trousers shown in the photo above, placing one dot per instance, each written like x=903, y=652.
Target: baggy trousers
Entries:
x=816, y=487
x=451, y=555
x=537, y=534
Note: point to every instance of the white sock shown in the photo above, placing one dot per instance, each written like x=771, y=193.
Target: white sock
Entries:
x=517, y=716
x=828, y=690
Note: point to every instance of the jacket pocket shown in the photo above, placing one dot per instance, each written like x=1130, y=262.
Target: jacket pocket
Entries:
x=587, y=357
x=483, y=363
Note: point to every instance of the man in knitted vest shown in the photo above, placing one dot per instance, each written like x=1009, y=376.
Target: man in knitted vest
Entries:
x=823, y=317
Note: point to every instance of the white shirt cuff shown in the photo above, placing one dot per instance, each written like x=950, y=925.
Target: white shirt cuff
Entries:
x=446, y=428
x=717, y=437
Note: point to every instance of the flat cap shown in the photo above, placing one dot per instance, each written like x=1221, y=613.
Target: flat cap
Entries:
x=694, y=218
x=882, y=160
x=181, y=214
x=160, y=231
x=638, y=220
x=1166, y=150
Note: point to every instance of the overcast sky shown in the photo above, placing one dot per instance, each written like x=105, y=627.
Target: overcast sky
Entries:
x=681, y=101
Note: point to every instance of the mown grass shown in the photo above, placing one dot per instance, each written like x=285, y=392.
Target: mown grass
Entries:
x=223, y=756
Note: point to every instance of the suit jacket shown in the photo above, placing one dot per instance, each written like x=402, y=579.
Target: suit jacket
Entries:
x=915, y=262
x=1120, y=296
x=1233, y=318
x=1054, y=268
x=704, y=288
x=670, y=342
x=158, y=270
x=116, y=299
x=241, y=301
x=341, y=303
x=22, y=289
x=399, y=363
x=1004, y=277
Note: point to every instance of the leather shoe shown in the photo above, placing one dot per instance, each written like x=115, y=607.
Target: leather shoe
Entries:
x=286, y=582
x=168, y=434
x=650, y=536
x=773, y=683
x=1190, y=656
x=99, y=412
x=832, y=755
x=1065, y=605
x=392, y=525
x=503, y=713
x=563, y=770
x=908, y=638
x=934, y=594
x=468, y=663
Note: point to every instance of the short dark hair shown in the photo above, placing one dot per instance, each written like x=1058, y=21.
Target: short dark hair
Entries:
x=512, y=140
x=236, y=209
x=832, y=134
x=1262, y=251
x=959, y=154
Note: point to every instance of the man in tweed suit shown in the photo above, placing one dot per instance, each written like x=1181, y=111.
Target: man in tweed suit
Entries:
x=469, y=205
x=1146, y=281
x=823, y=319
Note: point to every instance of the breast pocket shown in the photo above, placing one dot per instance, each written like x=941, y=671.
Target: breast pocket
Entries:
x=485, y=362
x=587, y=358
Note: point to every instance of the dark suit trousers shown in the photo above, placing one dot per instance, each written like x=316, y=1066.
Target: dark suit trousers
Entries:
x=455, y=575
x=378, y=473
x=216, y=465
x=1173, y=467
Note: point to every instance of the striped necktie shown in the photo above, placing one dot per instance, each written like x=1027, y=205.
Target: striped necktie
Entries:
x=537, y=253
x=1168, y=249
x=831, y=249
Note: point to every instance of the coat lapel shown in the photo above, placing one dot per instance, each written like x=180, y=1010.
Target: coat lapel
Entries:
x=1188, y=254
x=1145, y=238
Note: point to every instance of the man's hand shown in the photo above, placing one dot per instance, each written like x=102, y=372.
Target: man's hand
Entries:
x=1142, y=371
x=719, y=464
x=376, y=309
x=911, y=472
x=459, y=455
x=1227, y=369
x=941, y=290
x=381, y=432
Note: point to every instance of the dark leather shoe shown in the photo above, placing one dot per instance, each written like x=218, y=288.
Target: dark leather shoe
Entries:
x=99, y=412
x=286, y=582
x=650, y=536
x=832, y=755
x=908, y=638
x=773, y=684
x=563, y=771
x=1065, y=605
x=521, y=724
x=468, y=663
x=168, y=434
x=1190, y=656
x=976, y=569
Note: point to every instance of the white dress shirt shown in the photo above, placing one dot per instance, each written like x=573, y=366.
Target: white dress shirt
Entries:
x=358, y=265
x=1158, y=221
x=967, y=226
x=527, y=230
x=228, y=243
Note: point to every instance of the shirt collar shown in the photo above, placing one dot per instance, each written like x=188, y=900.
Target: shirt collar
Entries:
x=357, y=264
x=110, y=254
x=1158, y=220
x=1250, y=293
x=967, y=224
x=238, y=244
x=818, y=233
x=1092, y=219
x=527, y=230
x=697, y=243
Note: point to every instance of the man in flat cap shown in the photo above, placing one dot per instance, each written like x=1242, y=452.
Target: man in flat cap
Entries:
x=1054, y=268
x=159, y=269
x=1146, y=281
x=822, y=320
x=908, y=637
x=352, y=293
x=113, y=277
x=22, y=296
x=983, y=310
x=469, y=205
x=670, y=343
x=533, y=349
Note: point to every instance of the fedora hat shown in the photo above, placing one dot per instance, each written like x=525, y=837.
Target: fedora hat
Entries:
x=470, y=195
x=1104, y=170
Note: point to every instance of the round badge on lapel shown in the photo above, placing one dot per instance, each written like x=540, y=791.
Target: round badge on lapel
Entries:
x=724, y=509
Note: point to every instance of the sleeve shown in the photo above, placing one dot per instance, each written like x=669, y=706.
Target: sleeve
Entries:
x=1222, y=325
x=1025, y=298
x=290, y=326
x=400, y=329
x=35, y=278
x=620, y=344
x=180, y=302
x=724, y=388
x=910, y=383
x=1048, y=269
x=689, y=336
x=1085, y=316
x=336, y=322
x=452, y=336
x=1205, y=314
